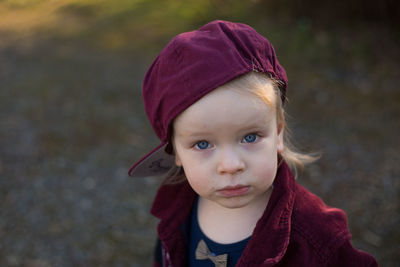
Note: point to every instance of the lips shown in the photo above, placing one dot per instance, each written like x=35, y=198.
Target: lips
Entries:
x=234, y=191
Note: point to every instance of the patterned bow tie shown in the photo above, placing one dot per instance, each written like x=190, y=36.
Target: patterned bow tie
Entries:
x=203, y=253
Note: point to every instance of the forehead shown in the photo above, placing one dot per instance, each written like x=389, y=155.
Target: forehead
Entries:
x=225, y=109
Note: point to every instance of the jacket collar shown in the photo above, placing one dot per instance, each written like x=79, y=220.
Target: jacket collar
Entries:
x=271, y=236
x=269, y=241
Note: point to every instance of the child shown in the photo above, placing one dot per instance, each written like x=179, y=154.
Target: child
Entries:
x=215, y=98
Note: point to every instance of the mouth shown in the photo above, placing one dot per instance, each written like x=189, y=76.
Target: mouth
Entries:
x=234, y=191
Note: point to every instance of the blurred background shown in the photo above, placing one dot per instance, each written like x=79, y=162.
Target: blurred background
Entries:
x=72, y=119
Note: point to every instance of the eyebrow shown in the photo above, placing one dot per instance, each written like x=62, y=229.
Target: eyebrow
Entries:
x=257, y=124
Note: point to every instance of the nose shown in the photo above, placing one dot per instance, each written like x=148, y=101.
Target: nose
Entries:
x=230, y=162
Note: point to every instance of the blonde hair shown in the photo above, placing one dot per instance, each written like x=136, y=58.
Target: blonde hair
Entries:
x=268, y=90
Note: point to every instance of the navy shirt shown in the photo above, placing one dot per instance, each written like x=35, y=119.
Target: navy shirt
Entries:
x=233, y=250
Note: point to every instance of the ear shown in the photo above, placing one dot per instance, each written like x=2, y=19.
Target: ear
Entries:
x=178, y=161
x=280, y=145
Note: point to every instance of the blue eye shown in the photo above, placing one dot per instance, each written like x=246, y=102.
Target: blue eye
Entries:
x=202, y=145
x=250, y=138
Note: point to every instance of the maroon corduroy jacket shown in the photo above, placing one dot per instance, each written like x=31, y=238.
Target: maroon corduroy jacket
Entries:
x=296, y=229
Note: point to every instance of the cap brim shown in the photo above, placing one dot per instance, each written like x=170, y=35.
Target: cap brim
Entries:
x=155, y=163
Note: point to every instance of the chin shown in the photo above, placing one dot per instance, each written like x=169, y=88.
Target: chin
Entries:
x=233, y=203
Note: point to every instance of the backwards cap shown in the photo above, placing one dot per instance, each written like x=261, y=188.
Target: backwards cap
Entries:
x=193, y=64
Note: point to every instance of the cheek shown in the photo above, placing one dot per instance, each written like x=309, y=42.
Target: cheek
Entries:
x=264, y=167
x=199, y=183
x=198, y=177
x=267, y=167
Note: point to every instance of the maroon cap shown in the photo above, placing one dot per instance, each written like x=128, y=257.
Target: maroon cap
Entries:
x=193, y=64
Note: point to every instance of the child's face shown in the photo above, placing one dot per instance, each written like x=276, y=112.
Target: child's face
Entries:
x=227, y=143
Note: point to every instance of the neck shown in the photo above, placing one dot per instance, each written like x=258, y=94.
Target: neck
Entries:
x=227, y=225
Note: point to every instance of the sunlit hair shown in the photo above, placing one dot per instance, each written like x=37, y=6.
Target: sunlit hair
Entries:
x=267, y=89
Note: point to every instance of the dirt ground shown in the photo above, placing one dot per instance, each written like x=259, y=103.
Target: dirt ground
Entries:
x=72, y=123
